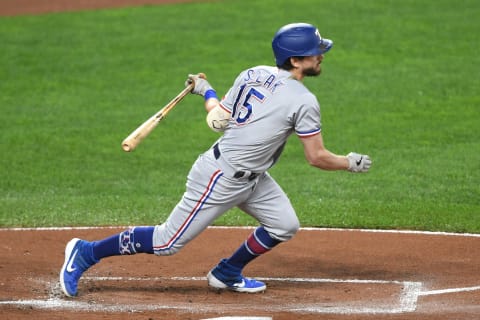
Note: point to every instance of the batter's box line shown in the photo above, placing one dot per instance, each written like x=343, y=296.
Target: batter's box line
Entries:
x=408, y=299
x=447, y=291
x=311, y=280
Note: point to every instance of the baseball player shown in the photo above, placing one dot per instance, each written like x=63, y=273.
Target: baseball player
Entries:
x=262, y=109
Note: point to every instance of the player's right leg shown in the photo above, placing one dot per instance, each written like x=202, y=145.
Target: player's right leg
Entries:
x=271, y=207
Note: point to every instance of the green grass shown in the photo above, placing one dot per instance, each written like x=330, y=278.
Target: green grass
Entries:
x=400, y=84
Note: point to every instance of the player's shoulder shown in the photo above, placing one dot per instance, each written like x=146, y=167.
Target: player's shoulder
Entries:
x=256, y=72
x=263, y=68
x=264, y=74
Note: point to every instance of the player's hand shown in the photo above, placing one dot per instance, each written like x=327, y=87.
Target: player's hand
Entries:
x=358, y=162
x=201, y=84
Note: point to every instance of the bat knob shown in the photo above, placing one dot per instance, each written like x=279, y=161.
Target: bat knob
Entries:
x=126, y=147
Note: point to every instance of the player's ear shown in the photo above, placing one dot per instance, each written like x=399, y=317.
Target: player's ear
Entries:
x=295, y=62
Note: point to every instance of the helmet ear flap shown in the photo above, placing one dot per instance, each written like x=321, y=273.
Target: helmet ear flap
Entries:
x=298, y=39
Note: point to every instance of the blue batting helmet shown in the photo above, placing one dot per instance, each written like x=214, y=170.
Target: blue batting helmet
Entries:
x=298, y=40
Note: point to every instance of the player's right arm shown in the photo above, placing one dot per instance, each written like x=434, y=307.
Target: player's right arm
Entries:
x=318, y=156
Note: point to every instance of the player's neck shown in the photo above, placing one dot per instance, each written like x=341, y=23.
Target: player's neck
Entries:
x=297, y=74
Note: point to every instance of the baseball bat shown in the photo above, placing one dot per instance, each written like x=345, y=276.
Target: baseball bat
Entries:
x=134, y=139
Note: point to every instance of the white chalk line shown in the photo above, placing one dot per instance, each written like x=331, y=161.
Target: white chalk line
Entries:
x=407, y=301
x=310, y=280
x=431, y=233
x=451, y=290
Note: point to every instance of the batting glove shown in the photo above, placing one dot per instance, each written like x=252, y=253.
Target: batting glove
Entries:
x=358, y=162
x=201, y=85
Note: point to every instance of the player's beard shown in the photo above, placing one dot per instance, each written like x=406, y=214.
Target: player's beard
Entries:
x=312, y=72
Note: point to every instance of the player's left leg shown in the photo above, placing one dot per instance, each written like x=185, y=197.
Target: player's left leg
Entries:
x=80, y=255
x=272, y=208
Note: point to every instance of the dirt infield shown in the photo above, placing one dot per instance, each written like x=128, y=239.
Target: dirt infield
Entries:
x=320, y=274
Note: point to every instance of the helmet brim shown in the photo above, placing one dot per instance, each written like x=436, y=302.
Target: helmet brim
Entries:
x=325, y=45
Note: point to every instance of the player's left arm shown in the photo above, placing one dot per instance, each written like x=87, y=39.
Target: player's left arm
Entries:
x=319, y=156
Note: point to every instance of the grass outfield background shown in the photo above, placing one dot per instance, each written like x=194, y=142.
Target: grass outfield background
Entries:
x=401, y=84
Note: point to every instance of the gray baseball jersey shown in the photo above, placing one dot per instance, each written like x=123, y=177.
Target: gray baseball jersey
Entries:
x=266, y=105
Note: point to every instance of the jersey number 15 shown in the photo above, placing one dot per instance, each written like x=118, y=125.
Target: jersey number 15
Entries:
x=242, y=108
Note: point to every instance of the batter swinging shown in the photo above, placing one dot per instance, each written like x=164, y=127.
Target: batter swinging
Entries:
x=264, y=107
